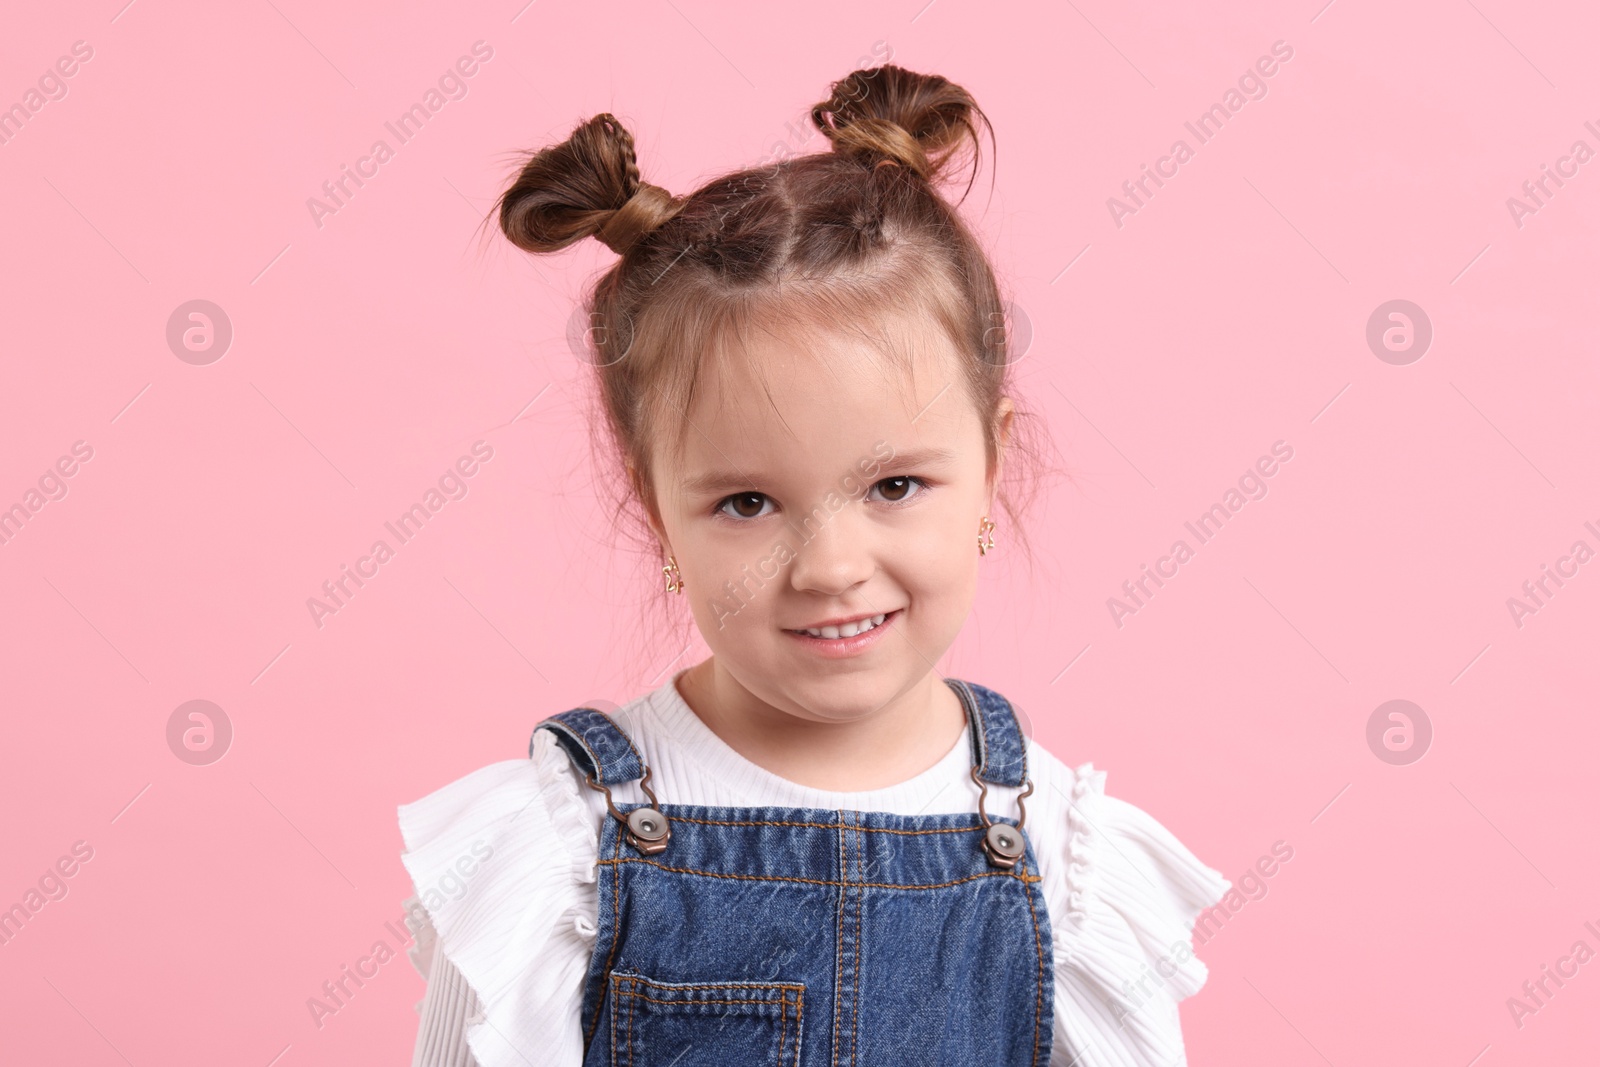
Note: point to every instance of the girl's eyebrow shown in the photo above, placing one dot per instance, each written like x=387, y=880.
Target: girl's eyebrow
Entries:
x=723, y=480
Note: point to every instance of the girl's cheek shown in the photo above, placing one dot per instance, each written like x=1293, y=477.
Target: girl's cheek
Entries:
x=935, y=546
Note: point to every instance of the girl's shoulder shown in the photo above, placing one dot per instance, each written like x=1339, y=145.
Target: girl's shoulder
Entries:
x=502, y=862
x=1104, y=836
x=1124, y=895
x=503, y=804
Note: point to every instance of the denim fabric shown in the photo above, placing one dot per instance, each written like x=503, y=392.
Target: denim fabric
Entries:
x=1000, y=751
x=595, y=744
x=798, y=937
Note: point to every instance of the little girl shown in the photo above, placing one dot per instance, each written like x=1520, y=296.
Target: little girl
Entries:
x=810, y=849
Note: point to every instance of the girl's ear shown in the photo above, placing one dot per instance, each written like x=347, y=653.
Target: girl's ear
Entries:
x=1005, y=410
x=648, y=504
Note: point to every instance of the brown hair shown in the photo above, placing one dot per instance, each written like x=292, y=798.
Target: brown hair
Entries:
x=812, y=240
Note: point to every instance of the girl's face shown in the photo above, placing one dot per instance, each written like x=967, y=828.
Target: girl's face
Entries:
x=840, y=489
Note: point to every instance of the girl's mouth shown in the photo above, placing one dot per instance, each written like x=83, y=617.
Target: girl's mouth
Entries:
x=818, y=641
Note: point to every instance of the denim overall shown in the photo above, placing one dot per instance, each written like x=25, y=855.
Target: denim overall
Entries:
x=805, y=937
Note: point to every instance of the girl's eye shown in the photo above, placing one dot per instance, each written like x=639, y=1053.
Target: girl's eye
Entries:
x=744, y=505
x=899, y=490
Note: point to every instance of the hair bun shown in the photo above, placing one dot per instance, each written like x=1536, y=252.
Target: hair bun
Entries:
x=890, y=114
x=586, y=186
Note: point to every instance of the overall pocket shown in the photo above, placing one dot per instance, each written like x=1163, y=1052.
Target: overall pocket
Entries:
x=704, y=1024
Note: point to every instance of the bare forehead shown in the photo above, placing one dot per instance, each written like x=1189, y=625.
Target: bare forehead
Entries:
x=891, y=368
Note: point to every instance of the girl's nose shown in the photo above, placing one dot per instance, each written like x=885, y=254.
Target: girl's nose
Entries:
x=832, y=554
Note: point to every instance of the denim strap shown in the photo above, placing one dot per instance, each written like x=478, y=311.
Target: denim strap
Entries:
x=999, y=749
x=596, y=744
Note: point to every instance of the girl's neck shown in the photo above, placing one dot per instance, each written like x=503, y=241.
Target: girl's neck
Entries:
x=896, y=743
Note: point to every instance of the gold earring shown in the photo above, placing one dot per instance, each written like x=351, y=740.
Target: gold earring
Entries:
x=985, y=542
x=674, y=579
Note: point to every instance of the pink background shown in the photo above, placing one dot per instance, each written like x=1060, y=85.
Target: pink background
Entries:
x=368, y=354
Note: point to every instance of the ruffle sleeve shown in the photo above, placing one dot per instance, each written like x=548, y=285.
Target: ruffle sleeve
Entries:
x=503, y=862
x=1127, y=904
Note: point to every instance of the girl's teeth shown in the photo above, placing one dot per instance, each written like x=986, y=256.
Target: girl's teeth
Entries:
x=849, y=629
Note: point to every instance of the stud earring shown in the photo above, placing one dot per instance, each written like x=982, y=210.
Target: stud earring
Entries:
x=985, y=542
x=674, y=579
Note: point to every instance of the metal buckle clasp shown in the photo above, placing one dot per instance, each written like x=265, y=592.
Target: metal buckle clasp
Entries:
x=646, y=829
x=1002, y=842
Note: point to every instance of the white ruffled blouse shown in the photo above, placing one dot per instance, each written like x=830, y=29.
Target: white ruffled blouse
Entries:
x=504, y=863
